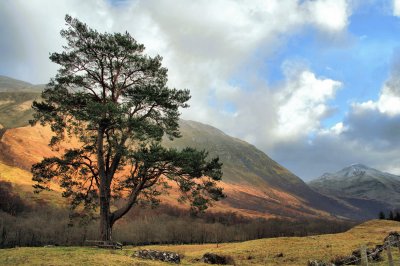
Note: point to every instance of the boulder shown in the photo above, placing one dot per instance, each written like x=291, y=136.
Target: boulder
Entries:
x=158, y=255
x=212, y=258
x=393, y=238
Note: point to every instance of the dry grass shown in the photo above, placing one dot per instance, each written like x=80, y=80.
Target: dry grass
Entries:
x=63, y=256
x=21, y=181
x=295, y=250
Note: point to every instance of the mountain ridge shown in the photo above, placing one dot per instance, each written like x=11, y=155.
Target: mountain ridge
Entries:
x=360, y=182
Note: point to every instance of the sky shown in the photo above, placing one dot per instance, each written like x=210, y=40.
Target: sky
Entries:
x=315, y=84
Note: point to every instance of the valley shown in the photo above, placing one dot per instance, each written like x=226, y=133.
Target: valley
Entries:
x=294, y=250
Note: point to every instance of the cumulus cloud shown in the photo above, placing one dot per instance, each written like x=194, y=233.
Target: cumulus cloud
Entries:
x=303, y=104
x=388, y=102
x=396, y=8
x=378, y=122
x=329, y=14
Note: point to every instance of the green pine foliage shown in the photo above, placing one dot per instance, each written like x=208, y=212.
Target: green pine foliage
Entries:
x=115, y=100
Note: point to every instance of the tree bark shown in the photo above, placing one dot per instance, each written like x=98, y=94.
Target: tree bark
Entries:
x=105, y=215
x=105, y=194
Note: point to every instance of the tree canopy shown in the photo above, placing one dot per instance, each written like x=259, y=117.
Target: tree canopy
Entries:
x=115, y=101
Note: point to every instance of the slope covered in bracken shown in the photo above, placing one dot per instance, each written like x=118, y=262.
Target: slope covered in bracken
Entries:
x=21, y=147
x=256, y=185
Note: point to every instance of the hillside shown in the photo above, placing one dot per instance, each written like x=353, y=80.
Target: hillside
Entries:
x=246, y=165
x=295, y=250
x=16, y=98
x=21, y=147
x=10, y=84
x=359, y=183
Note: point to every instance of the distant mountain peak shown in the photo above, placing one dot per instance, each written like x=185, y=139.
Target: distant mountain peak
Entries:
x=358, y=182
x=355, y=170
x=359, y=165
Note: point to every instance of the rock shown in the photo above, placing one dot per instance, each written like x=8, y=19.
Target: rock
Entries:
x=212, y=258
x=375, y=254
x=279, y=255
x=355, y=257
x=158, y=255
x=318, y=263
x=345, y=260
x=393, y=238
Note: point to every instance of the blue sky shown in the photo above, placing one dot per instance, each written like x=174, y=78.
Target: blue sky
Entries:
x=361, y=60
x=307, y=82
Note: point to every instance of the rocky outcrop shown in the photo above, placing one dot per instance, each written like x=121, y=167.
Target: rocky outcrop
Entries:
x=393, y=239
x=158, y=255
x=373, y=254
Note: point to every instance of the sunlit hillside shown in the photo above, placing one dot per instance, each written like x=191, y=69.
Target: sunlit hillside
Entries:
x=21, y=147
x=21, y=181
x=16, y=98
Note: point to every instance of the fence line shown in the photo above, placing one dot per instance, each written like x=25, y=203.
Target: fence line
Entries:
x=378, y=250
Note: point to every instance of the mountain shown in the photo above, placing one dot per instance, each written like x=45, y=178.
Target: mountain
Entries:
x=16, y=98
x=245, y=165
x=359, y=183
x=251, y=191
x=10, y=84
x=256, y=185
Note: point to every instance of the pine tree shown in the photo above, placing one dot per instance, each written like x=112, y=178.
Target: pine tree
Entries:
x=114, y=99
x=391, y=216
x=382, y=215
x=397, y=217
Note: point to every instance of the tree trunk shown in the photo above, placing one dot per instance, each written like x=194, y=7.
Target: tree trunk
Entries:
x=105, y=219
x=105, y=194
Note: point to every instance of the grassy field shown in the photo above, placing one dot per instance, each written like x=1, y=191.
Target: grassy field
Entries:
x=295, y=250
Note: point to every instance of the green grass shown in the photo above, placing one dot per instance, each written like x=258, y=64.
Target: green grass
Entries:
x=296, y=250
x=68, y=256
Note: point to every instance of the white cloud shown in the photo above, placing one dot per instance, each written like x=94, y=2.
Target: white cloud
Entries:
x=388, y=103
x=329, y=14
x=303, y=103
x=336, y=129
x=396, y=8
